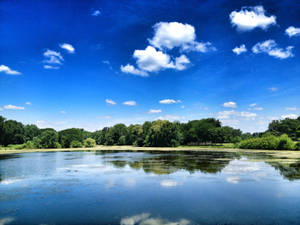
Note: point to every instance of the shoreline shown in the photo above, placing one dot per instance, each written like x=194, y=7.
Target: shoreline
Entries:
x=134, y=148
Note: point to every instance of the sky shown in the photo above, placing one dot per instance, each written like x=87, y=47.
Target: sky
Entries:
x=92, y=64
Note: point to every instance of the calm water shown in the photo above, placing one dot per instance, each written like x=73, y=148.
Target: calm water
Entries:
x=147, y=188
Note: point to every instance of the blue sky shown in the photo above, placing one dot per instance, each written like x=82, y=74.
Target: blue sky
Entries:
x=92, y=64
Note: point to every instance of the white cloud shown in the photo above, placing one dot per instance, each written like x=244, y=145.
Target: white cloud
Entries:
x=96, y=13
x=1, y=109
x=129, y=103
x=7, y=70
x=232, y=113
x=166, y=37
x=173, y=34
x=239, y=50
x=109, y=101
x=270, y=47
x=290, y=116
x=154, y=111
x=291, y=108
x=171, y=118
x=230, y=105
x=52, y=57
x=273, y=89
x=198, y=47
x=254, y=106
x=68, y=47
x=48, y=67
x=152, y=60
x=131, y=69
x=233, y=180
x=63, y=112
x=249, y=18
x=169, y=101
x=181, y=62
x=292, y=31
x=13, y=107
x=28, y=103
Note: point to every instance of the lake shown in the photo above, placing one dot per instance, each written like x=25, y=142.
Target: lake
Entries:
x=148, y=188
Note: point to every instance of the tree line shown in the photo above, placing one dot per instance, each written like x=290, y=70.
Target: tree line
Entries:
x=159, y=133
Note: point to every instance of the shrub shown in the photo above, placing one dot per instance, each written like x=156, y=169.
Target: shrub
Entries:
x=29, y=145
x=285, y=143
x=297, y=146
x=89, y=142
x=76, y=144
x=268, y=142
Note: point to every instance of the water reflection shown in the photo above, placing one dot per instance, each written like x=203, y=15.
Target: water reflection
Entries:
x=149, y=188
x=167, y=163
x=146, y=219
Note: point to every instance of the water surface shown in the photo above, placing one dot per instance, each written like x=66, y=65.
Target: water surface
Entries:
x=147, y=188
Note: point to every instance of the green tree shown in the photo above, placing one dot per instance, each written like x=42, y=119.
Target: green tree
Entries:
x=76, y=144
x=114, y=133
x=13, y=132
x=69, y=135
x=49, y=139
x=89, y=142
x=31, y=131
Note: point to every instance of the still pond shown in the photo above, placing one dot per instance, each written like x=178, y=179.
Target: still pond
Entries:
x=148, y=188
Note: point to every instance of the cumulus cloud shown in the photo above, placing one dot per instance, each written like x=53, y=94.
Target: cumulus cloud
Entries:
x=270, y=47
x=292, y=31
x=9, y=71
x=68, y=47
x=239, y=50
x=290, y=116
x=13, y=107
x=173, y=34
x=181, y=62
x=96, y=12
x=249, y=18
x=131, y=69
x=166, y=37
x=154, y=111
x=229, y=105
x=129, y=103
x=52, y=57
x=169, y=101
x=152, y=60
x=109, y=101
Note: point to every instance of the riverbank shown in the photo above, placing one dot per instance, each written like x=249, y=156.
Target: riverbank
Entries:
x=220, y=148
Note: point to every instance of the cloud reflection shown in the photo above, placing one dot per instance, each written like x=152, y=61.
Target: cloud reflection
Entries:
x=145, y=219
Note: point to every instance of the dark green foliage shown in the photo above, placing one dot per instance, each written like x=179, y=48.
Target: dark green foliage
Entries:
x=287, y=126
x=13, y=132
x=67, y=136
x=163, y=133
x=114, y=133
x=49, y=139
x=76, y=144
x=31, y=131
